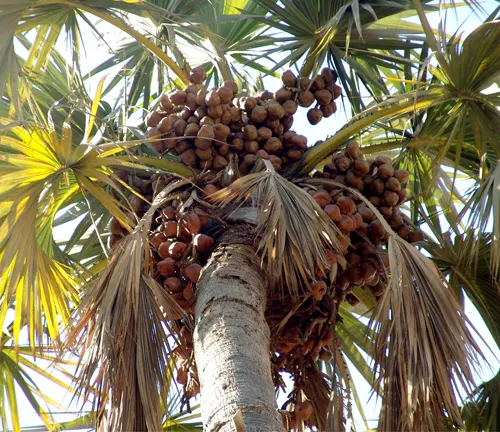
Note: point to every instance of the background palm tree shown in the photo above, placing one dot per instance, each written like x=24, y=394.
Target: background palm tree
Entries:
x=415, y=93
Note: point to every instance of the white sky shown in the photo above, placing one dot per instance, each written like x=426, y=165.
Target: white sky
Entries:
x=97, y=53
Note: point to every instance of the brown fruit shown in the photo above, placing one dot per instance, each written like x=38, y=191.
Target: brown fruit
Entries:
x=215, y=111
x=303, y=411
x=318, y=83
x=237, y=145
x=333, y=212
x=396, y=220
x=177, y=249
x=403, y=231
x=205, y=136
x=187, y=292
x=209, y=189
x=249, y=159
x=353, y=259
x=282, y=95
x=191, y=89
x=220, y=162
x=402, y=176
x=250, y=132
x=355, y=276
x=212, y=98
x=318, y=290
x=178, y=97
x=251, y=147
x=262, y=154
x=358, y=220
x=324, y=97
x=385, y=211
x=221, y=132
x=314, y=115
x=197, y=75
x=235, y=113
x=153, y=119
x=322, y=198
x=182, y=146
x=157, y=239
x=343, y=163
x=169, y=213
x=190, y=103
x=200, y=98
x=380, y=160
x=366, y=213
x=275, y=161
x=225, y=95
x=401, y=196
x=377, y=187
x=115, y=227
x=166, y=124
x=203, y=243
x=273, y=145
x=305, y=98
x=192, y=272
x=289, y=108
x=346, y=223
x=249, y=104
x=205, y=164
x=337, y=91
x=189, y=157
x=204, y=154
x=360, y=167
x=289, y=79
x=346, y=205
x=368, y=270
x=329, y=75
x=191, y=130
x=375, y=230
x=294, y=155
x=180, y=127
x=193, y=223
x=329, y=109
x=385, y=171
x=416, y=236
x=173, y=284
x=376, y=201
x=299, y=142
x=258, y=114
x=390, y=198
x=275, y=111
x=263, y=134
x=167, y=267
x=354, y=181
x=231, y=85
x=393, y=184
x=165, y=103
x=163, y=249
x=170, y=229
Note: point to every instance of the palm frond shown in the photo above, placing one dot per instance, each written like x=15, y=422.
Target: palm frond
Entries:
x=292, y=229
x=123, y=324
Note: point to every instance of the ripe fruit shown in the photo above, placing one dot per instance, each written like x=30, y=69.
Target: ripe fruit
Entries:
x=289, y=79
x=173, y=284
x=197, y=75
x=170, y=229
x=157, y=239
x=192, y=272
x=385, y=171
x=305, y=98
x=167, y=267
x=163, y=249
x=333, y=212
x=314, y=115
x=177, y=249
x=324, y=97
x=203, y=243
x=322, y=198
x=303, y=411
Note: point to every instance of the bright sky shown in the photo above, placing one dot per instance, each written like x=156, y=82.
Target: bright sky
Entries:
x=98, y=53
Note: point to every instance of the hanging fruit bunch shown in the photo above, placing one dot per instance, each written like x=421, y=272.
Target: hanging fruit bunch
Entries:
x=221, y=136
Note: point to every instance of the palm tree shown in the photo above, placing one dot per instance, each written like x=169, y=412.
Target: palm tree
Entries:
x=416, y=95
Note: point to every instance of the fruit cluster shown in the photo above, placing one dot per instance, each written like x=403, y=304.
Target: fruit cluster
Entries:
x=207, y=129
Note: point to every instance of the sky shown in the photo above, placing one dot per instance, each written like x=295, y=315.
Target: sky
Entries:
x=96, y=53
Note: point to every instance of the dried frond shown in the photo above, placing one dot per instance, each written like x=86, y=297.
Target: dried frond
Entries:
x=123, y=320
x=317, y=391
x=292, y=228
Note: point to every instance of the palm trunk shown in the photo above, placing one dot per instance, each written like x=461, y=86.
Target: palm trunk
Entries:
x=231, y=341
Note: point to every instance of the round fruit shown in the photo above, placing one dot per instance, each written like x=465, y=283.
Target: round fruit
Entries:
x=197, y=75
x=173, y=284
x=314, y=115
x=177, y=249
x=193, y=223
x=192, y=272
x=167, y=267
x=305, y=98
x=203, y=243
x=333, y=212
x=289, y=79
x=303, y=411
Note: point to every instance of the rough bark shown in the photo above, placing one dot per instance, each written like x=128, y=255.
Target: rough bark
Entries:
x=231, y=341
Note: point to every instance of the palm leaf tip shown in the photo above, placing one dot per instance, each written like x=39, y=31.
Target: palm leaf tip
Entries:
x=419, y=318
x=292, y=229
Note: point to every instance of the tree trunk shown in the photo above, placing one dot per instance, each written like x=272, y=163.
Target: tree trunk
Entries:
x=232, y=339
